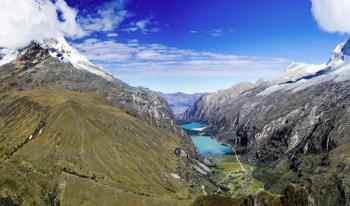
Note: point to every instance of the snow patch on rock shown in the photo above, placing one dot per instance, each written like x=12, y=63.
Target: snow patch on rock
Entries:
x=7, y=55
x=296, y=71
x=176, y=176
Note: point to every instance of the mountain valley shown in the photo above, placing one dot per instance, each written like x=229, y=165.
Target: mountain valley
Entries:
x=294, y=128
x=77, y=132
x=174, y=103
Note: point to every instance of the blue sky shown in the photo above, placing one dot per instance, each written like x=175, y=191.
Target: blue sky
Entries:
x=197, y=45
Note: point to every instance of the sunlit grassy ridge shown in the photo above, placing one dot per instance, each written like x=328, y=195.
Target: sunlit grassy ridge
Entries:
x=61, y=146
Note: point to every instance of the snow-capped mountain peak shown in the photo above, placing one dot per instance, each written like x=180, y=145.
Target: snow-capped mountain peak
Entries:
x=300, y=76
x=60, y=49
x=340, y=54
x=296, y=71
x=346, y=48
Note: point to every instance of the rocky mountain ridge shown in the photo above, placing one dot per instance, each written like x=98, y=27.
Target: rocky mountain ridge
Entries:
x=53, y=64
x=206, y=107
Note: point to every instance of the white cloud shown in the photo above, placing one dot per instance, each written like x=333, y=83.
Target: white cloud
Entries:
x=107, y=18
x=105, y=51
x=158, y=55
x=69, y=26
x=112, y=34
x=216, y=32
x=133, y=59
x=143, y=25
x=332, y=15
x=26, y=20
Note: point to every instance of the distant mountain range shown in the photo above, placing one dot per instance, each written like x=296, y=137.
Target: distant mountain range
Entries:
x=179, y=102
x=295, y=127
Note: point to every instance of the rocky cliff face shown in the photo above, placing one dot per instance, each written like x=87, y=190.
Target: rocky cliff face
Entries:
x=296, y=128
x=208, y=106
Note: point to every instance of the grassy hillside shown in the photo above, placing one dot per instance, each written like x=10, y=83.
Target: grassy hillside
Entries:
x=72, y=148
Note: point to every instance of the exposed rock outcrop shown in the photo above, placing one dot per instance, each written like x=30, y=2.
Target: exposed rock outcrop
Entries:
x=207, y=106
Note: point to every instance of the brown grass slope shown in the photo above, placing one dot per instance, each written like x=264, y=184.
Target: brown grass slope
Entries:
x=68, y=148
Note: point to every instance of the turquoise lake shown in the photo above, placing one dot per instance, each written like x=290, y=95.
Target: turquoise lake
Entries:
x=206, y=145
x=193, y=125
x=210, y=147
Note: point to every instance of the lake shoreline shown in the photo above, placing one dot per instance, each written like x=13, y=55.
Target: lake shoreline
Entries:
x=198, y=130
x=230, y=173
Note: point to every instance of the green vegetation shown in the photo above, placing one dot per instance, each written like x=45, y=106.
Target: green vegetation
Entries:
x=232, y=176
x=68, y=148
